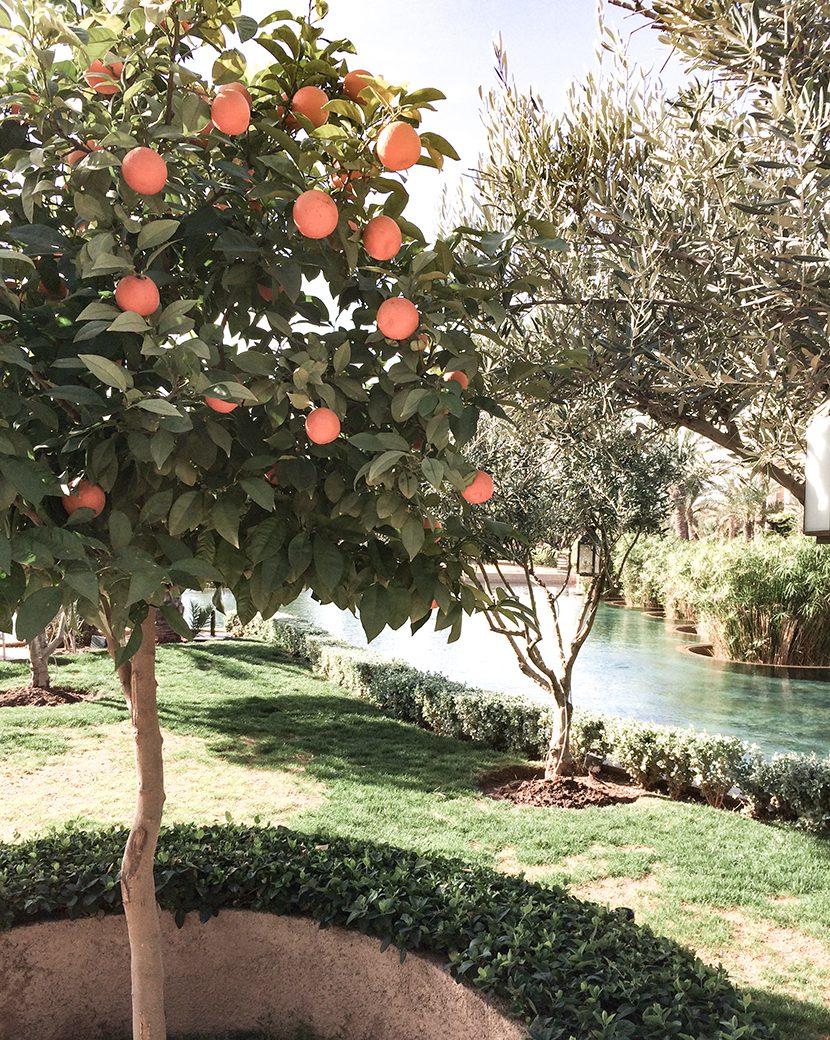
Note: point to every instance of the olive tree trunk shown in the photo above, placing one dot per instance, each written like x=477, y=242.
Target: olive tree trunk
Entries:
x=559, y=760
x=138, y=889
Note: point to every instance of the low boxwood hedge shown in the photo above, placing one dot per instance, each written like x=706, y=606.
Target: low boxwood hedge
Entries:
x=569, y=969
x=792, y=787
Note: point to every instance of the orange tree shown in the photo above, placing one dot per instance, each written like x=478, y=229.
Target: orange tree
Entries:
x=222, y=347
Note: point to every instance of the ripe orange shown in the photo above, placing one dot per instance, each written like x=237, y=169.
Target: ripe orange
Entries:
x=308, y=102
x=435, y=604
x=266, y=292
x=218, y=404
x=271, y=476
x=104, y=78
x=322, y=426
x=421, y=342
x=315, y=214
x=342, y=179
x=480, y=490
x=399, y=146
x=238, y=88
x=354, y=82
x=382, y=238
x=137, y=293
x=144, y=170
x=398, y=318
x=230, y=113
x=461, y=378
x=85, y=495
x=432, y=525
x=77, y=154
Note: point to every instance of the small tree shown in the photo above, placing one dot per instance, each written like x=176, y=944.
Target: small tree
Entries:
x=560, y=480
x=179, y=404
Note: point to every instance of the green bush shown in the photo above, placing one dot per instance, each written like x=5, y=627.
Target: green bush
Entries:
x=564, y=967
x=653, y=755
x=794, y=787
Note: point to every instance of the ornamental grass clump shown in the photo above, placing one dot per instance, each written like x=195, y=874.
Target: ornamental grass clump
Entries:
x=768, y=601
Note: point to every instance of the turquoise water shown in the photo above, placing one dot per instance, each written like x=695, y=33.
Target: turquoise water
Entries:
x=631, y=665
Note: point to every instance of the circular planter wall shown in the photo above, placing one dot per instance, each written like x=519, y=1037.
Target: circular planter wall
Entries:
x=815, y=673
x=70, y=980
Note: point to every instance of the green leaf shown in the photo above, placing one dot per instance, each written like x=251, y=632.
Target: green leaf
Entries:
x=328, y=562
x=99, y=311
x=225, y=518
x=246, y=27
x=229, y=67
x=440, y=144
x=259, y=490
x=31, y=480
x=372, y=610
x=107, y=371
x=433, y=470
x=299, y=555
x=128, y=321
x=383, y=463
x=158, y=406
x=121, y=530
x=145, y=581
x=183, y=517
x=36, y=612
x=412, y=536
x=175, y=620
x=152, y=235
x=83, y=581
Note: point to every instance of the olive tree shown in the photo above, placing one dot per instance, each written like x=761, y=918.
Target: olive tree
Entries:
x=195, y=388
x=679, y=241
x=561, y=477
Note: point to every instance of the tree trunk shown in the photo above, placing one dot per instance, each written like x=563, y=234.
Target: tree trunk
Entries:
x=559, y=761
x=137, y=882
x=679, y=516
x=39, y=652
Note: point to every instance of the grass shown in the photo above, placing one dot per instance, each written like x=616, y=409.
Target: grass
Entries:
x=250, y=733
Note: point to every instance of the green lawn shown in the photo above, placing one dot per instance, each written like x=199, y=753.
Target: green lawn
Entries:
x=250, y=733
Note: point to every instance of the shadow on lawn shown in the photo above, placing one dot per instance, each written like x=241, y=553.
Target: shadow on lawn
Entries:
x=333, y=736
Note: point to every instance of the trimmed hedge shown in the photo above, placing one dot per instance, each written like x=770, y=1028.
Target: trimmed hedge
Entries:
x=793, y=787
x=570, y=970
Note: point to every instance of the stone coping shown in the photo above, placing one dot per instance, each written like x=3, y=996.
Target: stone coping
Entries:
x=69, y=980
x=814, y=672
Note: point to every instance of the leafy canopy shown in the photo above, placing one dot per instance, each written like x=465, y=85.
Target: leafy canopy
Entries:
x=252, y=312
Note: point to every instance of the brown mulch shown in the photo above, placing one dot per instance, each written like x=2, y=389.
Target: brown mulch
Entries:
x=527, y=786
x=37, y=697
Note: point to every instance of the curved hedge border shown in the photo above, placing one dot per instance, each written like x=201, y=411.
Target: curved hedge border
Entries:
x=568, y=969
x=792, y=787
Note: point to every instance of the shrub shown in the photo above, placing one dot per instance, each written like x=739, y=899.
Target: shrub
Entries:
x=564, y=967
x=676, y=759
x=636, y=746
x=719, y=764
x=651, y=754
x=795, y=787
x=590, y=735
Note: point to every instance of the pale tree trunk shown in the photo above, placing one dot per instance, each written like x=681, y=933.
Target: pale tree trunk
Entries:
x=559, y=761
x=679, y=514
x=39, y=662
x=137, y=882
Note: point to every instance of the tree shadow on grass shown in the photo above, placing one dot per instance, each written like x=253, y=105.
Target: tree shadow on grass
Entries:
x=795, y=1019
x=299, y=719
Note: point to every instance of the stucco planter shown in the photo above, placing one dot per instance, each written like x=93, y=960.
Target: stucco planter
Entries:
x=69, y=980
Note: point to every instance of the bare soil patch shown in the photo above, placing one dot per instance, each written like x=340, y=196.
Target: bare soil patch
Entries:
x=528, y=786
x=37, y=697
